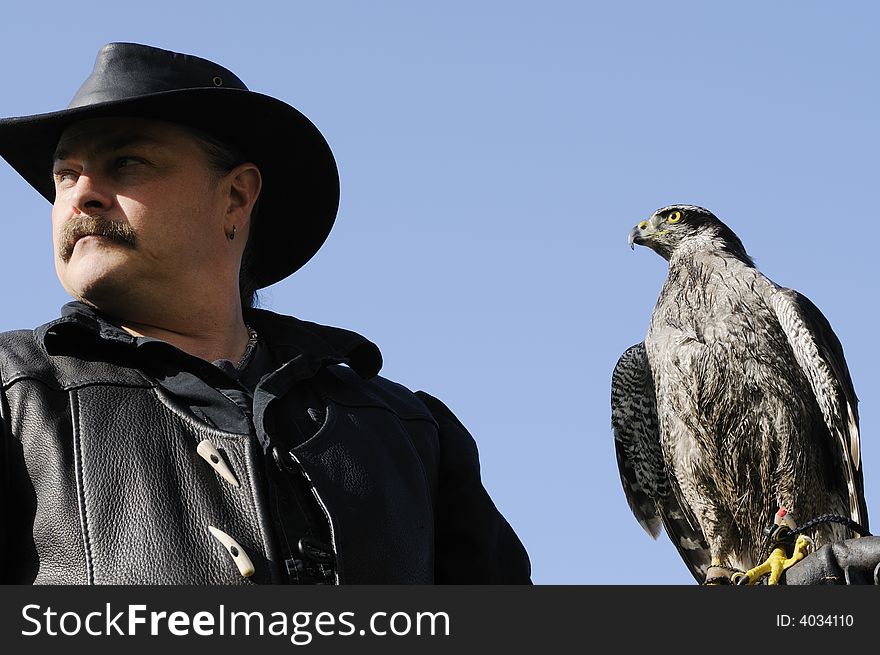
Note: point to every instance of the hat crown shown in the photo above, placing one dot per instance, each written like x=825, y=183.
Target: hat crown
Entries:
x=129, y=70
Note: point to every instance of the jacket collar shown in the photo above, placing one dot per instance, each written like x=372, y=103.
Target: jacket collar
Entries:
x=289, y=337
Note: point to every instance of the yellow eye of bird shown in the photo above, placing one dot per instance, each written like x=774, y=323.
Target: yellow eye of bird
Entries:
x=674, y=217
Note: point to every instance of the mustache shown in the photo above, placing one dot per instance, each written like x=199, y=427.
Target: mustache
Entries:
x=84, y=225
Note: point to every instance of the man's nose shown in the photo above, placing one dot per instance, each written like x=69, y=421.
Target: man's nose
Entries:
x=89, y=194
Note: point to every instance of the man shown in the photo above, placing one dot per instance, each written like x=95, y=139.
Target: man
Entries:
x=164, y=431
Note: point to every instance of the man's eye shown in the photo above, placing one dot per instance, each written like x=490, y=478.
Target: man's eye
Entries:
x=64, y=175
x=124, y=162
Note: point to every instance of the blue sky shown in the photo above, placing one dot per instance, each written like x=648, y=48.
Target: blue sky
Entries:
x=493, y=157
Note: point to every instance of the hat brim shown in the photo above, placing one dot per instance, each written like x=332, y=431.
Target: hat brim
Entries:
x=300, y=194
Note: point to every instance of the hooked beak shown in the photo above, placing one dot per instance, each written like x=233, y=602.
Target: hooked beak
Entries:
x=633, y=235
x=640, y=233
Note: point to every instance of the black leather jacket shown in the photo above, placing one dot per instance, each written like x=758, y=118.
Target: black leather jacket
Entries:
x=100, y=481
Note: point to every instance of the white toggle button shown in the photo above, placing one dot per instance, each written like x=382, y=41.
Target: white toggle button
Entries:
x=242, y=561
x=211, y=455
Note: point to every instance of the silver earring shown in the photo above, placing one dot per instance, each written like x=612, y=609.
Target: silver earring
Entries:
x=231, y=235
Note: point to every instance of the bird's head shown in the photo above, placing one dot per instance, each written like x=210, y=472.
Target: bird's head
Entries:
x=676, y=226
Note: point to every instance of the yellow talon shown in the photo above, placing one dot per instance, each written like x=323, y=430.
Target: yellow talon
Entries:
x=777, y=563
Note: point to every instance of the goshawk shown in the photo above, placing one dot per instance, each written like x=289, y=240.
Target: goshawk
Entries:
x=737, y=403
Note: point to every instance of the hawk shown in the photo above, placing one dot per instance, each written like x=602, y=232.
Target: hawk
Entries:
x=738, y=403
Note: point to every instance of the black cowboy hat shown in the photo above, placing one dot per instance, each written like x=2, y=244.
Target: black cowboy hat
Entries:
x=300, y=193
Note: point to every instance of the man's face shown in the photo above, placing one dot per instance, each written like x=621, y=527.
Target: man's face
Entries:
x=138, y=211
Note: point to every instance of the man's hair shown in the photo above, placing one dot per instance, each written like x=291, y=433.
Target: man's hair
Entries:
x=223, y=157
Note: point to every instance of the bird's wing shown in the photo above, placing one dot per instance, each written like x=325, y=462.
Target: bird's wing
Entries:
x=637, y=438
x=650, y=491
x=820, y=356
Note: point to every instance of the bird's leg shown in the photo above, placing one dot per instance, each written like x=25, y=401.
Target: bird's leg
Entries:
x=718, y=574
x=779, y=559
x=722, y=566
x=772, y=565
x=803, y=545
x=776, y=563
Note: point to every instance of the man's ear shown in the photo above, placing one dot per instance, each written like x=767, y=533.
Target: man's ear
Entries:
x=245, y=182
